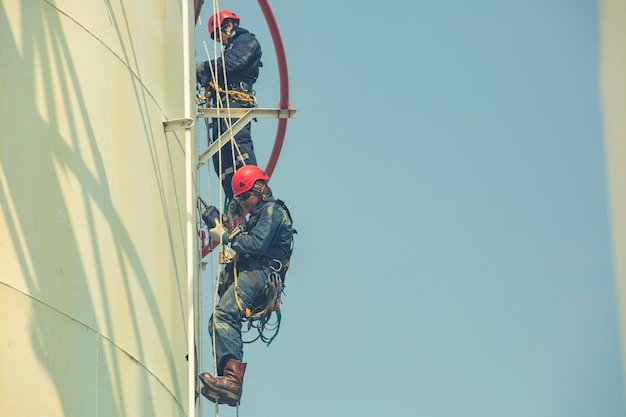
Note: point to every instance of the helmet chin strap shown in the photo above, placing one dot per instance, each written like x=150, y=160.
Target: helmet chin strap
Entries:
x=229, y=33
x=261, y=190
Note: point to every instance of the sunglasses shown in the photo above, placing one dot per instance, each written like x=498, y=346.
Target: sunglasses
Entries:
x=244, y=196
x=217, y=34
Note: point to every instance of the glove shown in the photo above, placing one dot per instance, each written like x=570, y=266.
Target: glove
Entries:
x=217, y=232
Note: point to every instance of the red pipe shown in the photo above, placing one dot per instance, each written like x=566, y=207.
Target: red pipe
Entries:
x=282, y=104
x=284, y=83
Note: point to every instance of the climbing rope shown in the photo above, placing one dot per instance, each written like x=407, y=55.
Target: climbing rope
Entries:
x=206, y=98
x=218, y=99
x=213, y=94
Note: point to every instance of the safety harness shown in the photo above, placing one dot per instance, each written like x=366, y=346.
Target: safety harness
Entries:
x=269, y=301
x=241, y=93
x=259, y=317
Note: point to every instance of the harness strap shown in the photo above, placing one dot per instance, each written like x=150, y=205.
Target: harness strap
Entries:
x=274, y=284
x=240, y=96
x=243, y=96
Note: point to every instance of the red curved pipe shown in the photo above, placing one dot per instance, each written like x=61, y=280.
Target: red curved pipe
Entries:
x=284, y=83
x=282, y=104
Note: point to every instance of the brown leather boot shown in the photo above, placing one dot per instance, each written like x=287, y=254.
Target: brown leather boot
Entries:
x=229, y=385
x=215, y=398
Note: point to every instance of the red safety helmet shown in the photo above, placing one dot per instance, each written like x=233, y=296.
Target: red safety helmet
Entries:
x=244, y=178
x=220, y=17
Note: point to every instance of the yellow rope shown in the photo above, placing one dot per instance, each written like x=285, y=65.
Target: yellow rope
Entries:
x=239, y=96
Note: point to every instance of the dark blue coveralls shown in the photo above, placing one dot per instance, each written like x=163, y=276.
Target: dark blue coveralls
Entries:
x=268, y=236
x=242, y=60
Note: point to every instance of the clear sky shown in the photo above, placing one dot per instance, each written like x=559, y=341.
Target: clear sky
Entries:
x=447, y=180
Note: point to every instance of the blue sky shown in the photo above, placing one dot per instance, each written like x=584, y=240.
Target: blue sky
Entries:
x=446, y=176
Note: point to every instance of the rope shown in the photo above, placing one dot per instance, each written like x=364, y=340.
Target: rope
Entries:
x=199, y=354
x=214, y=93
x=214, y=286
x=228, y=122
x=239, y=96
x=236, y=95
x=218, y=99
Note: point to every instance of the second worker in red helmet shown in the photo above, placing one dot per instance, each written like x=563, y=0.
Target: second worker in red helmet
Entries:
x=264, y=247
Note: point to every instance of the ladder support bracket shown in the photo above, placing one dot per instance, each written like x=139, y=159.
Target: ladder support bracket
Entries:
x=178, y=124
x=243, y=116
x=236, y=113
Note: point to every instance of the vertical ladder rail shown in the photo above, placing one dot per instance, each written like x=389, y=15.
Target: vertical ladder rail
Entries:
x=190, y=194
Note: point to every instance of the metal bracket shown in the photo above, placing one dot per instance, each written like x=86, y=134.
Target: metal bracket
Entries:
x=178, y=124
x=244, y=117
x=238, y=112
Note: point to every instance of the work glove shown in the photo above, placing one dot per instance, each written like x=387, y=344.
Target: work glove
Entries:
x=217, y=232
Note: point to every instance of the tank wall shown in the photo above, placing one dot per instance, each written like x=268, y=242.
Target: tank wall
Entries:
x=613, y=89
x=92, y=196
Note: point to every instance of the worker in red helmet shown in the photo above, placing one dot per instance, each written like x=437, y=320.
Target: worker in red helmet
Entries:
x=235, y=73
x=263, y=247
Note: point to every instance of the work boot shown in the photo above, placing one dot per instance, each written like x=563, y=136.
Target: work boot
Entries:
x=215, y=398
x=229, y=385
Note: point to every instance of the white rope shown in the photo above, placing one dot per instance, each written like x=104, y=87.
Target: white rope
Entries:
x=214, y=287
x=234, y=149
x=228, y=120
